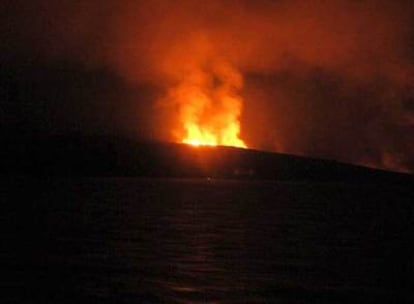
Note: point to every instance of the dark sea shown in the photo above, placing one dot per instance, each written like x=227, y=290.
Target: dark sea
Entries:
x=129, y=240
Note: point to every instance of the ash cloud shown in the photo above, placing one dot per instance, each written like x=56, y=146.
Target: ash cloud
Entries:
x=327, y=79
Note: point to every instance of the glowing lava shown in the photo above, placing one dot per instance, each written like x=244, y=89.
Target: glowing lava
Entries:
x=198, y=135
x=209, y=106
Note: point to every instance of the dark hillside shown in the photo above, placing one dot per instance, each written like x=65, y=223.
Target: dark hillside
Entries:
x=110, y=156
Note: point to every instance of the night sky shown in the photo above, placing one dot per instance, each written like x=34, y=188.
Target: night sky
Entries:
x=330, y=79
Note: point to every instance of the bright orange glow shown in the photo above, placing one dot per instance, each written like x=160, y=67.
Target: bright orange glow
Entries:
x=209, y=106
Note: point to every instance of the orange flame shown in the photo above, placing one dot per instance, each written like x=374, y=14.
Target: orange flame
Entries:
x=209, y=106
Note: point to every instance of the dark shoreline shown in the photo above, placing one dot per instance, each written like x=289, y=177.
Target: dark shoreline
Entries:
x=109, y=156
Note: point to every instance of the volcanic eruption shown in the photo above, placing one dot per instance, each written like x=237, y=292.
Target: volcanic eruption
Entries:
x=324, y=79
x=209, y=105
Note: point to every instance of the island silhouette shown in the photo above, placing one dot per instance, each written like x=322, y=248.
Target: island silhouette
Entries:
x=80, y=155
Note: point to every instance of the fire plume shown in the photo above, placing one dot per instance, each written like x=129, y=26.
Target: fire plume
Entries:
x=209, y=107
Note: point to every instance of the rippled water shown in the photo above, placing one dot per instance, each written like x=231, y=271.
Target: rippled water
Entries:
x=204, y=241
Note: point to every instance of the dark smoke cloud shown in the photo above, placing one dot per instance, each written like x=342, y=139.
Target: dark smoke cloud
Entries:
x=322, y=78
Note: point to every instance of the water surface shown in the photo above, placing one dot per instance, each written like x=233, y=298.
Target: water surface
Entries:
x=127, y=240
